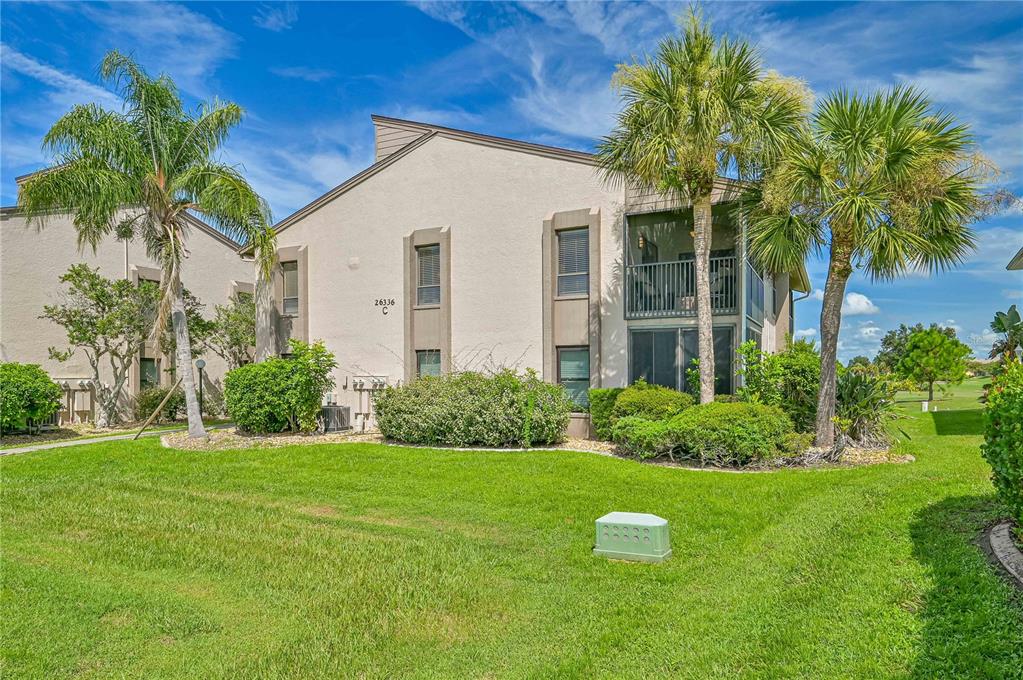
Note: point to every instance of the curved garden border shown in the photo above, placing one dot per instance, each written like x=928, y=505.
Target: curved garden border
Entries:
x=1005, y=552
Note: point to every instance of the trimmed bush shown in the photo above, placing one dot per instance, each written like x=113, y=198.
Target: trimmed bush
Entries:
x=280, y=394
x=473, y=409
x=1003, y=437
x=652, y=402
x=602, y=401
x=147, y=400
x=26, y=394
x=729, y=434
x=789, y=379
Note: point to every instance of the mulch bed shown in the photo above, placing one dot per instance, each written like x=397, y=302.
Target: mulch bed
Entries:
x=231, y=439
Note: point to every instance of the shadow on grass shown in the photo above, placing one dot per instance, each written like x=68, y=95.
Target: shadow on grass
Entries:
x=972, y=619
x=964, y=422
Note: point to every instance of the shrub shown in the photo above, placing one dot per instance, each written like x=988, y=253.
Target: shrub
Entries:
x=280, y=394
x=26, y=394
x=147, y=400
x=1003, y=437
x=652, y=402
x=716, y=433
x=864, y=403
x=602, y=401
x=467, y=409
x=789, y=380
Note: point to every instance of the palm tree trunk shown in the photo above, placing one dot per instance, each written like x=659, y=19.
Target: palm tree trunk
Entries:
x=184, y=360
x=839, y=271
x=702, y=232
x=266, y=336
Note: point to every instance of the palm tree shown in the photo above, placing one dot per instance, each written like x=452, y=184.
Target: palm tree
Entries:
x=137, y=173
x=887, y=185
x=700, y=108
x=1009, y=325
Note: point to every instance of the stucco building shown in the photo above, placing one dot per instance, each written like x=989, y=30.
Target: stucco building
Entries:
x=457, y=250
x=31, y=263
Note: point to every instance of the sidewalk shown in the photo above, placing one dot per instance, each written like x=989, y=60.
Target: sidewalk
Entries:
x=98, y=440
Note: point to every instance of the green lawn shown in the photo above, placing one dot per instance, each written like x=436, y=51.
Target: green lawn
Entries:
x=129, y=560
x=66, y=434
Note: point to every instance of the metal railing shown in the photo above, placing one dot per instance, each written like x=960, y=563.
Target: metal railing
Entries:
x=668, y=289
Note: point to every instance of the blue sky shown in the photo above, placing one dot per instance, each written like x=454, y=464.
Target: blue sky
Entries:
x=309, y=75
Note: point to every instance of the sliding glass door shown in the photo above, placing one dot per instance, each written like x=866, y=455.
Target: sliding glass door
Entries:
x=661, y=356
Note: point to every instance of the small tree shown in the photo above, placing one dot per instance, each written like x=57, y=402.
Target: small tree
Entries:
x=893, y=344
x=232, y=334
x=1009, y=325
x=932, y=356
x=109, y=322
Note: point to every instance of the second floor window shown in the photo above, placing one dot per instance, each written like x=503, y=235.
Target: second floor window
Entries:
x=428, y=275
x=574, y=261
x=290, y=302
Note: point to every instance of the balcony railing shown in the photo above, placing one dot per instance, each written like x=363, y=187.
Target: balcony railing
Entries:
x=668, y=289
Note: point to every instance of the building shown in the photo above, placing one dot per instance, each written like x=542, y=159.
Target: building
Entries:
x=31, y=262
x=1016, y=263
x=457, y=250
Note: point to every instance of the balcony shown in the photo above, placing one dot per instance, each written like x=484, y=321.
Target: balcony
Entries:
x=668, y=289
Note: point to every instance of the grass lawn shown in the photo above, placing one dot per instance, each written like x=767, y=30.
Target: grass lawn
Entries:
x=129, y=560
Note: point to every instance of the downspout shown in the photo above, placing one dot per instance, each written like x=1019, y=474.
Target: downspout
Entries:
x=792, y=311
x=743, y=283
x=126, y=259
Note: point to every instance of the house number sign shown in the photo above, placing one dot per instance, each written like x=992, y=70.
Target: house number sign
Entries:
x=384, y=304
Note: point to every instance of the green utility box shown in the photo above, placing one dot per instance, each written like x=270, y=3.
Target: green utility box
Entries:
x=633, y=536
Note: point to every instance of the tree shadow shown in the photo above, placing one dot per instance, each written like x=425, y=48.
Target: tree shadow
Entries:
x=972, y=618
x=960, y=422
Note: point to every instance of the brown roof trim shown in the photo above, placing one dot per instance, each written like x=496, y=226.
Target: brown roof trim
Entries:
x=348, y=184
x=1016, y=262
x=490, y=140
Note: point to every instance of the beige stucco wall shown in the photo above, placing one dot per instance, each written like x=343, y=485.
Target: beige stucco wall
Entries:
x=32, y=260
x=493, y=202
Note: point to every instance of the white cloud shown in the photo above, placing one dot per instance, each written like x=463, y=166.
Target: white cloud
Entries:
x=313, y=75
x=1013, y=293
x=981, y=341
x=995, y=247
x=167, y=38
x=818, y=295
x=63, y=90
x=805, y=333
x=276, y=18
x=858, y=304
x=869, y=331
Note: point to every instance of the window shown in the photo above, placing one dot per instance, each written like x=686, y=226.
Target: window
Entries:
x=661, y=357
x=428, y=268
x=149, y=373
x=427, y=362
x=574, y=373
x=755, y=335
x=574, y=261
x=290, y=288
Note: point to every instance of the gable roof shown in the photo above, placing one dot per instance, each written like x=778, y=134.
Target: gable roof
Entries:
x=192, y=220
x=1016, y=262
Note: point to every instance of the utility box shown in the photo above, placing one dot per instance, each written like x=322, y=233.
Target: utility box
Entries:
x=633, y=536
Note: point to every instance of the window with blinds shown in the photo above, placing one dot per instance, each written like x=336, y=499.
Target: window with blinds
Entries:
x=574, y=374
x=290, y=301
x=428, y=275
x=574, y=261
x=427, y=362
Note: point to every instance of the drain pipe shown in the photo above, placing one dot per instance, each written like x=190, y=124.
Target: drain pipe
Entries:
x=792, y=310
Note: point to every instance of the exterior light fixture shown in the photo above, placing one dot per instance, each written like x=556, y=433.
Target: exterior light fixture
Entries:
x=642, y=241
x=200, y=364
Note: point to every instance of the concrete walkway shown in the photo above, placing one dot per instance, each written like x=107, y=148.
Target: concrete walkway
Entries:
x=99, y=440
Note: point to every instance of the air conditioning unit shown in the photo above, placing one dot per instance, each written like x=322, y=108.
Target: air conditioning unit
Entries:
x=334, y=418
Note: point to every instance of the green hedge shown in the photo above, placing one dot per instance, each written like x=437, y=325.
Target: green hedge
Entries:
x=732, y=434
x=602, y=401
x=280, y=394
x=147, y=400
x=473, y=409
x=1003, y=437
x=26, y=393
x=652, y=402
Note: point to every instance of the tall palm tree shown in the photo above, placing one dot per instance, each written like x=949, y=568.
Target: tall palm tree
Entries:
x=887, y=185
x=136, y=173
x=701, y=107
